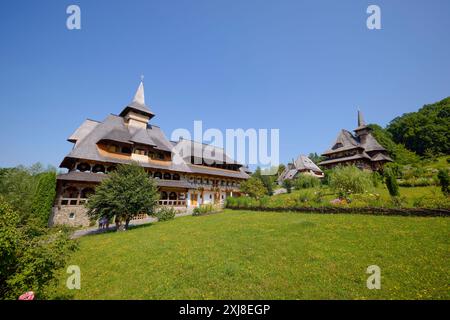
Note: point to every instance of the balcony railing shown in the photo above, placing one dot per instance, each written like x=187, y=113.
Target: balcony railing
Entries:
x=72, y=201
x=173, y=203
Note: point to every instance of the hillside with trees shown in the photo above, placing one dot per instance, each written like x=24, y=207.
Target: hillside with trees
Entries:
x=425, y=131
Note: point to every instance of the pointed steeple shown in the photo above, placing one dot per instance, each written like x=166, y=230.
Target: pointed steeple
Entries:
x=361, y=122
x=138, y=104
x=139, y=97
x=362, y=130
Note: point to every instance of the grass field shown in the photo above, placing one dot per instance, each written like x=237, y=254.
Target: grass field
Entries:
x=250, y=255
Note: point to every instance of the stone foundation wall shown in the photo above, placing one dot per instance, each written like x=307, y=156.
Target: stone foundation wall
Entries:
x=74, y=216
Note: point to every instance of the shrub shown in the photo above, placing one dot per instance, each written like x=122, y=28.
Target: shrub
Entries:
x=348, y=180
x=433, y=201
x=254, y=188
x=165, y=213
x=417, y=182
x=30, y=255
x=444, y=181
x=287, y=184
x=205, y=209
x=397, y=201
x=305, y=181
x=377, y=179
x=391, y=183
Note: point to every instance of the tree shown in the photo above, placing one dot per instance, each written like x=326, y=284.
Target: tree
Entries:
x=314, y=157
x=17, y=186
x=43, y=197
x=398, y=152
x=425, y=129
x=444, y=181
x=253, y=187
x=30, y=256
x=126, y=192
x=347, y=180
x=391, y=183
x=280, y=170
x=267, y=180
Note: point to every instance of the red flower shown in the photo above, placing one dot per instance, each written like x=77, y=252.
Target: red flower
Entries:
x=27, y=296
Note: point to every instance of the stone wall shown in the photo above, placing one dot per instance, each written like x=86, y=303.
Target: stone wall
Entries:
x=74, y=216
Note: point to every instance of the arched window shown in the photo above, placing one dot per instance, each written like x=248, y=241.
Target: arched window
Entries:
x=176, y=176
x=163, y=195
x=167, y=176
x=83, y=167
x=70, y=192
x=86, y=192
x=157, y=175
x=172, y=196
x=98, y=168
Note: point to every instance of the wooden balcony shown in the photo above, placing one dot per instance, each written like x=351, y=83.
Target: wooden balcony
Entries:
x=172, y=203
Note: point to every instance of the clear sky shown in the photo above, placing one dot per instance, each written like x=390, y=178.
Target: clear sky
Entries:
x=304, y=67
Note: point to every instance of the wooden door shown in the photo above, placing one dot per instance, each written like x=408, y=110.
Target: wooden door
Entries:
x=193, y=199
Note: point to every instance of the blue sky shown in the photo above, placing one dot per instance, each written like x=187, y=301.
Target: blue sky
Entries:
x=301, y=66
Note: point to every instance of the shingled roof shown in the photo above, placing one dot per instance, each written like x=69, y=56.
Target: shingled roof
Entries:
x=114, y=128
x=368, y=147
x=302, y=163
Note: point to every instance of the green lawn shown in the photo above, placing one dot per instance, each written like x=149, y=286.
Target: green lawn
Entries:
x=251, y=255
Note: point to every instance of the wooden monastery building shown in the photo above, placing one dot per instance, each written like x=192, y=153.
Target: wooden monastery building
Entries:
x=129, y=137
x=360, y=149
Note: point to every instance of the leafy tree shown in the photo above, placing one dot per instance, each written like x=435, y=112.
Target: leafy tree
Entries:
x=391, y=183
x=398, y=152
x=315, y=157
x=444, y=181
x=19, y=185
x=425, y=129
x=346, y=180
x=30, y=256
x=267, y=180
x=127, y=192
x=287, y=184
x=281, y=168
x=44, y=196
x=253, y=187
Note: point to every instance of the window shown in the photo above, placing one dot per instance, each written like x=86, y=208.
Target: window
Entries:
x=126, y=150
x=140, y=151
x=172, y=196
x=210, y=196
x=167, y=176
x=157, y=175
x=83, y=167
x=72, y=215
x=98, y=168
x=114, y=148
x=176, y=176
